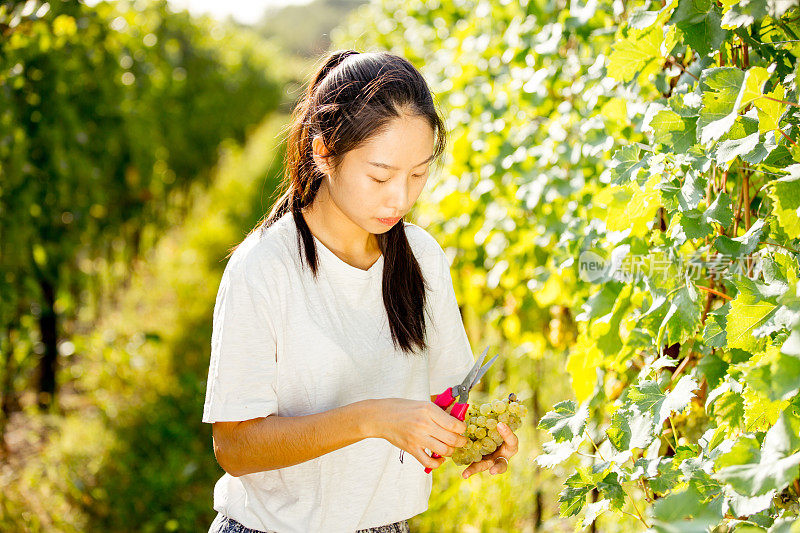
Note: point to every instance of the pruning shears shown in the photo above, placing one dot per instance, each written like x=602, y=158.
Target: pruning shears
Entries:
x=460, y=393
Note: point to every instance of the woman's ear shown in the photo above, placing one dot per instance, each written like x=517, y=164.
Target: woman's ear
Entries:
x=320, y=153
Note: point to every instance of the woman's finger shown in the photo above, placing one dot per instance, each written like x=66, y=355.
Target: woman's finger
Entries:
x=511, y=440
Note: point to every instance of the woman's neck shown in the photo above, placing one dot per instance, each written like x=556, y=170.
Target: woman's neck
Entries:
x=339, y=233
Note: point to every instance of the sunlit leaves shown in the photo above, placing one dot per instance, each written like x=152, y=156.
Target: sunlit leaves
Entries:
x=699, y=20
x=751, y=308
x=639, y=144
x=582, y=363
x=785, y=192
x=772, y=466
x=638, y=53
x=566, y=421
x=677, y=133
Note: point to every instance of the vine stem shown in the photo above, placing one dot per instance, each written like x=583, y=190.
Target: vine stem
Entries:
x=738, y=214
x=779, y=100
x=633, y=503
x=780, y=246
x=746, y=186
x=680, y=66
x=635, y=507
x=674, y=433
x=683, y=365
x=787, y=137
x=712, y=291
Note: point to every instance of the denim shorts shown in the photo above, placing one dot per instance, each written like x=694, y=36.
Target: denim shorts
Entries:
x=225, y=524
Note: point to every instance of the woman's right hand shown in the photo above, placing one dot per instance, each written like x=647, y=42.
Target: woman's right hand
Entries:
x=414, y=425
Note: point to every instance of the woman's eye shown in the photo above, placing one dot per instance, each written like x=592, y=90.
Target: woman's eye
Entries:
x=379, y=181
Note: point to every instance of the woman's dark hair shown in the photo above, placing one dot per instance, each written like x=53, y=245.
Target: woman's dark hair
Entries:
x=352, y=97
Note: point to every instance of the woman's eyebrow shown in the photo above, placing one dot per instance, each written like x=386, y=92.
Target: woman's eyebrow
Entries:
x=384, y=165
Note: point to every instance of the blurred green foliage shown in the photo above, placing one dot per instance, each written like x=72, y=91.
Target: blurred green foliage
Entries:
x=130, y=452
x=109, y=116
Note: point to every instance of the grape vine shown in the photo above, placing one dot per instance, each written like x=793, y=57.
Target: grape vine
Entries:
x=624, y=187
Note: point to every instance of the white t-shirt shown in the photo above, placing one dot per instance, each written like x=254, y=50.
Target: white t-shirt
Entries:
x=286, y=344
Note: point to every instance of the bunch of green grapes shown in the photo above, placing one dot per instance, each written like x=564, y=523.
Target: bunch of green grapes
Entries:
x=482, y=431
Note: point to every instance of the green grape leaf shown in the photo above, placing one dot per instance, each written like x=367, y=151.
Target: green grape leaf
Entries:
x=742, y=245
x=729, y=409
x=593, y=510
x=566, y=421
x=601, y=302
x=714, y=333
x=770, y=110
x=736, y=14
x=750, y=309
x=611, y=489
x=666, y=478
x=774, y=467
x=777, y=375
x=713, y=368
x=639, y=52
x=576, y=487
x=630, y=428
x=682, y=317
x=723, y=89
x=556, y=452
x=694, y=227
x=684, y=504
x=626, y=164
x=730, y=149
x=700, y=21
x=692, y=191
x=675, y=132
x=572, y=499
x=785, y=195
x=647, y=397
x=742, y=505
x=720, y=211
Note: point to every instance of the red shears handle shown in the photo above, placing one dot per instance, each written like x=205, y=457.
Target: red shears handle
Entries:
x=459, y=411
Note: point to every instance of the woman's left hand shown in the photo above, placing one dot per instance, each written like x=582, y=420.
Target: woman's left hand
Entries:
x=509, y=448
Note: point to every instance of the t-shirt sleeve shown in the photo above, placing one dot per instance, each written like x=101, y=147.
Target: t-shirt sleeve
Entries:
x=450, y=354
x=243, y=366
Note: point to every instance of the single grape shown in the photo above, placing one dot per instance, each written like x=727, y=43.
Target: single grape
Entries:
x=503, y=417
x=480, y=421
x=485, y=409
x=491, y=423
x=481, y=433
x=498, y=406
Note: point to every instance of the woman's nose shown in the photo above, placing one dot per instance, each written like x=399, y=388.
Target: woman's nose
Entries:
x=399, y=196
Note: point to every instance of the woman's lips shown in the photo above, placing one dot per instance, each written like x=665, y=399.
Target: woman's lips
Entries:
x=389, y=221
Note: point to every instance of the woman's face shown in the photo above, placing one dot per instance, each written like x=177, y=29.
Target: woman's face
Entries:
x=384, y=176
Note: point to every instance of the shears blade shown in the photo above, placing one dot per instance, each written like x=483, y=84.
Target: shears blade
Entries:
x=466, y=384
x=482, y=371
x=474, y=376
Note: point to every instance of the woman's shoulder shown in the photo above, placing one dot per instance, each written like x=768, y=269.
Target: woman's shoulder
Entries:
x=264, y=254
x=421, y=241
x=426, y=248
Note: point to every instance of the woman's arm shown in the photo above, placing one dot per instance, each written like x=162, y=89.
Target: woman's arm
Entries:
x=272, y=442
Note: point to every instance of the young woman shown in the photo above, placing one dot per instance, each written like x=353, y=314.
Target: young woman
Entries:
x=336, y=323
